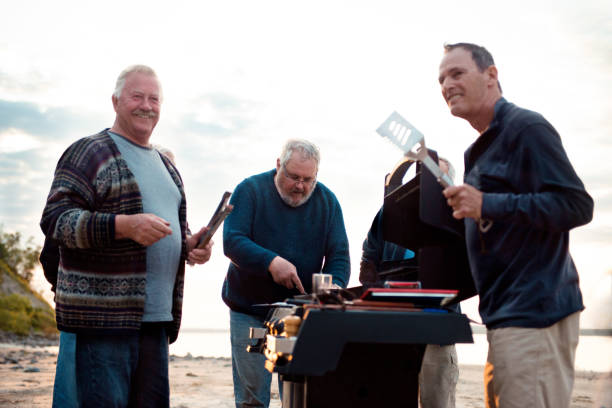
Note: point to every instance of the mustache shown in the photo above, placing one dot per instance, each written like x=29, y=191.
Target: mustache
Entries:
x=145, y=114
x=303, y=190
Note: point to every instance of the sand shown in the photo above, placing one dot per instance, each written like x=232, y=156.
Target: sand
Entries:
x=27, y=372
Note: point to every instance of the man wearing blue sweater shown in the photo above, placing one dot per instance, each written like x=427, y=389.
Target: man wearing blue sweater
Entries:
x=519, y=179
x=285, y=226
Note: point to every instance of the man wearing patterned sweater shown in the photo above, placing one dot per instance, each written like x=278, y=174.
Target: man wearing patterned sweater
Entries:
x=117, y=211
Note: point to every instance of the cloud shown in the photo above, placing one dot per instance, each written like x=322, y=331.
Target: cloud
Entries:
x=29, y=83
x=218, y=114
x=604, y=201
x=192, y=123
x=599, y=231
x=217, y=129
x=590, y=25
x=49, y=124
x=225, y=102
x=592, y=235
x=25, y=179
x=13, y=140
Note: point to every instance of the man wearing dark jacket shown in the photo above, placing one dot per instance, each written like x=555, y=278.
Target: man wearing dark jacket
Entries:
x=520, y=199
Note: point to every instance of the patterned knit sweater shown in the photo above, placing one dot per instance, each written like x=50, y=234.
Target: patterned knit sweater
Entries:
x=101, y=280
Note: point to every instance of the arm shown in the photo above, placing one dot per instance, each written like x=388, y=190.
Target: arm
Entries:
x=146, y=229
x=244, y=252
x=67, y=217
x=195, y=255
x=71, y=218
x=549, y=195
x=556, y=199
x=238, y=244
x=371, y=254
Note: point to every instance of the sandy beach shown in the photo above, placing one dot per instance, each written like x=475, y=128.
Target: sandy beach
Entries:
x=27, y=372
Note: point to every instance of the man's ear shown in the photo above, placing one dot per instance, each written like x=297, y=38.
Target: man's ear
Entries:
x=492, y=75
x=114, y=99
x=278, y=164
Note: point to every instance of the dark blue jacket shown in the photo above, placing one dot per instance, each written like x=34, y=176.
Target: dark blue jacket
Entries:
x=376, y=250
x=262, y=226
x=522, y=268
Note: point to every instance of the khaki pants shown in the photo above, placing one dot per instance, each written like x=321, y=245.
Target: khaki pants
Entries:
x=529, y=367
x=438, y=377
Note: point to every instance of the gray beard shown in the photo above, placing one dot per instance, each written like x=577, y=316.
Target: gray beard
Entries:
x=288, y=200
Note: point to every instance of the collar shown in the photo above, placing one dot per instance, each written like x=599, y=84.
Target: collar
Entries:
x=498, y=113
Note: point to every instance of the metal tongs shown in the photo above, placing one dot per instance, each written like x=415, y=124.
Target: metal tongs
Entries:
x=412, y=142
x=222, y=211
x=419, y=153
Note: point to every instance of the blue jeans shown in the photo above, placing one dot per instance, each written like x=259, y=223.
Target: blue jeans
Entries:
x=251, y=379
x=113, y=370
x=64, y=388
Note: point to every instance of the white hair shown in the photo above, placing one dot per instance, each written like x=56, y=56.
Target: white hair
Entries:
x=307, y=150
x=165, y=151
x=143, y=69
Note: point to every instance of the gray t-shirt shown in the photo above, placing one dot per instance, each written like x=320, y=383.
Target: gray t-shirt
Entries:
x=160, y=196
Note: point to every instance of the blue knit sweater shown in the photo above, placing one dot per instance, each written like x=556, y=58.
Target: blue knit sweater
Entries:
x=262, y=226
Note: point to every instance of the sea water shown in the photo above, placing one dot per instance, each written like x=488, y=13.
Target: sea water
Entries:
x=594, y=353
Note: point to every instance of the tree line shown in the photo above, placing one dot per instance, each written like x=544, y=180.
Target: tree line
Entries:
x=19, y=258
x=18, y=315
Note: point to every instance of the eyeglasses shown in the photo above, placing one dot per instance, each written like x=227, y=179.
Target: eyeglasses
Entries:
x=307, y=181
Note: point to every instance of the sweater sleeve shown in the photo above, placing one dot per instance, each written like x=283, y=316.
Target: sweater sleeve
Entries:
x=238, y=244
x=69, y=216
x=337, y=261
x=548, y=194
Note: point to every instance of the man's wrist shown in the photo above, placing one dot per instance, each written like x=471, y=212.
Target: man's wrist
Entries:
x=121, y=225
x=271, y=262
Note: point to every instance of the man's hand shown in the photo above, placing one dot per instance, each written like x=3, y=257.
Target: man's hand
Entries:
x=146, y=229
x=197, y=255
x=284, y=273
x=465, y=200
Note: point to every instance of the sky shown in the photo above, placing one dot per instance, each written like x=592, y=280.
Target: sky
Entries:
x=241, y=77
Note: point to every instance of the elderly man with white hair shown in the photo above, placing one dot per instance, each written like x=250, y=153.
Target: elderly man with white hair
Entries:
x=285, y=226
x=117, y=213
